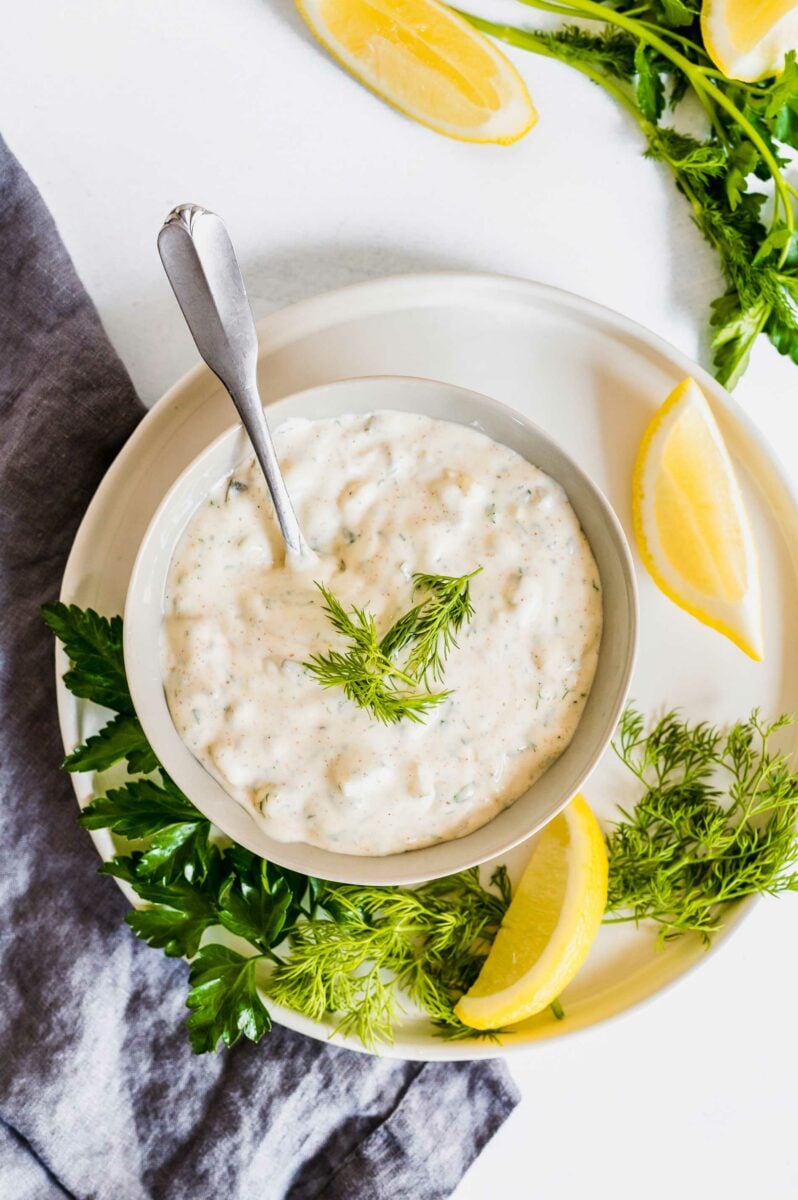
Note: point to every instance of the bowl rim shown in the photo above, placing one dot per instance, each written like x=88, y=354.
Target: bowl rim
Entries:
x=173, y=753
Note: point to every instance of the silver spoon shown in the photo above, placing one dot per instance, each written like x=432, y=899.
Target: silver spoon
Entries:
x=201, y=264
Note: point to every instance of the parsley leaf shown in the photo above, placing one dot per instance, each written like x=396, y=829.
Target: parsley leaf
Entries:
x=675, y=13
x=189, y=886
x=742, y=161
x=93, y=645
x=736, y=330
x=176, y=916
x=122, y=737
x=224, y=1000
x=179, y=835
x=649, y=89
x=140, y=809
x=777, y=105
x=749, y=127
x=178, y=851
x=257, y=902
x=782, y=326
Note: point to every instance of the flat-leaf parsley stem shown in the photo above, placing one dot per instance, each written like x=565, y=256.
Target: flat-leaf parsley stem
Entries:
x=634, y=54
x=701, y=85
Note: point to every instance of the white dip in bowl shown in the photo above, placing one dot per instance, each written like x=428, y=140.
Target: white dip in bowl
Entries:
x=380, y=497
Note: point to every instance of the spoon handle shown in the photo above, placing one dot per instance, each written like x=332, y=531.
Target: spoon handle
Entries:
x=201, y=265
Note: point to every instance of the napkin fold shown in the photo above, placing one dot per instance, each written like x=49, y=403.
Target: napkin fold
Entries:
x=100, y=1095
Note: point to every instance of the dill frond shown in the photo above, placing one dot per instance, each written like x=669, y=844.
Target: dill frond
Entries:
x=372, y=945
x=367, y=670
x=716, y=822
x=438, y=619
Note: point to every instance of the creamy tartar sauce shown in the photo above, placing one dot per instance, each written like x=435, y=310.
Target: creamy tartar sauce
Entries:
x=378, y=498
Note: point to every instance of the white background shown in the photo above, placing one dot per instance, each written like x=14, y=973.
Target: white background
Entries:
x=119, y=111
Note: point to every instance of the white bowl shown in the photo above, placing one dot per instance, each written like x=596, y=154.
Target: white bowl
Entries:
x=549, y=794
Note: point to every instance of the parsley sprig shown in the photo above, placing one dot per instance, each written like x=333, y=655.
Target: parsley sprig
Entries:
x=648, y=56
x=199, y=892
x=368, y=671
x=716, y=822
x=93, y=645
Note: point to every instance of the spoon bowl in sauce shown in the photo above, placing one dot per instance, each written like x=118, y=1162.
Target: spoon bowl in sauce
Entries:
x=215, y=637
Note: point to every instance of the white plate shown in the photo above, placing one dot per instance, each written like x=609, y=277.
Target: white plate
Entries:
x=591, y=379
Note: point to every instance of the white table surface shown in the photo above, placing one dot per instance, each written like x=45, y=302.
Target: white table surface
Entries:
x=119, y=111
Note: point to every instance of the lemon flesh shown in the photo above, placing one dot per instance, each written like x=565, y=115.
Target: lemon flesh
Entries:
x=549, y=927
x=428, y=62
x=690, y=520
x=748, y=39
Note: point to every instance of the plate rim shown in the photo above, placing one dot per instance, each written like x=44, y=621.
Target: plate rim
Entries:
x=421, y=290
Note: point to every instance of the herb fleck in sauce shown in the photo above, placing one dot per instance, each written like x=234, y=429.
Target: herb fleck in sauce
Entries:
x=381, y=497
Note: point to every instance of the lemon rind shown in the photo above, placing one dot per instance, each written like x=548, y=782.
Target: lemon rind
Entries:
x=754, y=64
x=569, y=945
x=638, y=492
x=445, y=130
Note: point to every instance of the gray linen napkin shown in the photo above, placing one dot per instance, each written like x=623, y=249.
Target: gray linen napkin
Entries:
x=100, y=1095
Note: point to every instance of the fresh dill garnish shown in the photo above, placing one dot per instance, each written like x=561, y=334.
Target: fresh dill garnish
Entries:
x=374, y=944
x=331, y=949
x=365, y=672
x=368, y=672
x=648, y=55
x=441, y=616
x=716, y=823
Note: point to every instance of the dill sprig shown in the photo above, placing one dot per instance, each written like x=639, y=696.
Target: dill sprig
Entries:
x=353, y=951
x=438, y=619
x=716, y=823
x=367, y=670
x=376, y=944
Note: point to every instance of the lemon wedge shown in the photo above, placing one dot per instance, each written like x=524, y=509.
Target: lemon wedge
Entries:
x=425, y=60
x=690, y=521
x=748, y=39
x=549, y=927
